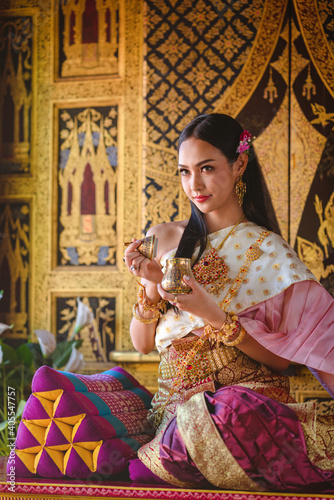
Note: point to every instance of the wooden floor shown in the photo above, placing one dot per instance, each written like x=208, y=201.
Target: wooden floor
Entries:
x=71, y=489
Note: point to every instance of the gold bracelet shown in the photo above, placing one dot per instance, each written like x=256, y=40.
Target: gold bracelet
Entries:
x=238, y=340
x=230, y=329
x=226, y=331
x=161, y=306
x=144, y=320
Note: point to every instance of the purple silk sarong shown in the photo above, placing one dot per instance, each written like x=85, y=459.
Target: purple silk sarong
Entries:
x=264, y=437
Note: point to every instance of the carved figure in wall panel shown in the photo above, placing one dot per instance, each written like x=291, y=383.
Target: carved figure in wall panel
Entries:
x=16, y=49
x=87, y=186
x=288, y=177
x=14, y=266
x=300, y=184
x=89, y=37
x=313, y=90
x=98, y=337
x=315, y=240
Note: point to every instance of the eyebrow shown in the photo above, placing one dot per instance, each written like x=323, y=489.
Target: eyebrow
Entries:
x=198, y=164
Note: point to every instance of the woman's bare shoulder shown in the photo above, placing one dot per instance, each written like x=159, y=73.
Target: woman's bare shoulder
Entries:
x=168, y=234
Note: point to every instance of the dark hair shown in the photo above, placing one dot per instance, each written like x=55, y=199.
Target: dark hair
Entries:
x=223, y=132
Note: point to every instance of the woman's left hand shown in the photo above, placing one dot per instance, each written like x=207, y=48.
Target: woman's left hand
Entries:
x=198, y=302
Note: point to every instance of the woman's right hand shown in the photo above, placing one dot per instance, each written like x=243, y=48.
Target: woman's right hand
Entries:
x=141, y=266
x=198, y=302
x=149, y=271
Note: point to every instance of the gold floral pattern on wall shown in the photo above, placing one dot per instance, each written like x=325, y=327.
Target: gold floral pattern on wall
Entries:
x=288, y=133
x=314, y=92
x=194, y=52
x=87, y=189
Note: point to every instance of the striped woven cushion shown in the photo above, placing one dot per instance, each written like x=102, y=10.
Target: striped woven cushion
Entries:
x=81, y=425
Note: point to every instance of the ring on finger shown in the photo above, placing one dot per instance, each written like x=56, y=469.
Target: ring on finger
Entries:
x=133, y=268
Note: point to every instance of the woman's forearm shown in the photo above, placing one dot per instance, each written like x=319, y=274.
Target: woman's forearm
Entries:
x=144, y=323
x=143, y=335
x=259, y=353
x=249, y=345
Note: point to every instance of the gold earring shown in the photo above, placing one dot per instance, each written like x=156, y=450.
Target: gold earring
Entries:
x=240, y=189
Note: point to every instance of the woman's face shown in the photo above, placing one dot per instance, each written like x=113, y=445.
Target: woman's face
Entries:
x=208, y=179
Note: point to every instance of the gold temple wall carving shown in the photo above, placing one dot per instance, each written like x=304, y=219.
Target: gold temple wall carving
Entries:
x=15, y=245
x=100, y=54
x=100, y=90
x=88, y=185
x=17, y=49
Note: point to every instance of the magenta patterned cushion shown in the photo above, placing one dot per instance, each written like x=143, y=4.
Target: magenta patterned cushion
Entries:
x=81, y=425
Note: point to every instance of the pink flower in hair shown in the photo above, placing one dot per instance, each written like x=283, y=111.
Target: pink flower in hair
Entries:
x=246, y=139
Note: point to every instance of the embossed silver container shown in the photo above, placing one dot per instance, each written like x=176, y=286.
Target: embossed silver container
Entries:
x=172, y=280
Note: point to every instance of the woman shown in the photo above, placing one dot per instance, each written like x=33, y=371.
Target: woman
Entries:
x=223, y=413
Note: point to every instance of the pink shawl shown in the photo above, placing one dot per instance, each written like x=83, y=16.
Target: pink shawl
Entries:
x=297, y=324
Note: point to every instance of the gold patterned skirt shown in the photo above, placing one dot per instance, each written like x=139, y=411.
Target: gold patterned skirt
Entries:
x=232, y=423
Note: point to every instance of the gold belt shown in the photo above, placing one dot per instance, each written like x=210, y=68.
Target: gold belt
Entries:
x=208, y=360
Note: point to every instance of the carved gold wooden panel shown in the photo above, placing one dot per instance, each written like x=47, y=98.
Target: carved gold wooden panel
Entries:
x=17, y=66
x=313, y=116
x=88, y=188
x=90, y=38
x=15, y=264
x=84, y=101
x=98, y=338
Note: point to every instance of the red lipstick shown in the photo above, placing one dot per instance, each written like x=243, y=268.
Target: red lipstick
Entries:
x=201, y=199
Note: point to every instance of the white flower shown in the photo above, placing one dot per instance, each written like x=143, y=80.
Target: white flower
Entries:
x=47, y=341
x=84, y=317
x=75, y=362
x=1, y=355
x=4, y=327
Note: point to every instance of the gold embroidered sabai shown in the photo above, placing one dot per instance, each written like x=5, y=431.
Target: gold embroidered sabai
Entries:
x=187, y=363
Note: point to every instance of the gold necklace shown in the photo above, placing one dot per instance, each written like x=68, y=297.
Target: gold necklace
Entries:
x=212, y=269
x=253, y=253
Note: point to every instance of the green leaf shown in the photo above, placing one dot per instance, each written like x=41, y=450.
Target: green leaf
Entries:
x=9, y=355
x=62, y=353
x=24, y=355
x=20, y=409
x=37, y=354
x=3, y=425
x=78, y=343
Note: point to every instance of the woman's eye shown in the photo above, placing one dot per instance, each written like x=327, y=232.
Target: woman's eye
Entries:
x=183, y=171
x=207, y=168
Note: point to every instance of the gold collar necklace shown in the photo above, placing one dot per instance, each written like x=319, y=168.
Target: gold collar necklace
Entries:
x=212, y=269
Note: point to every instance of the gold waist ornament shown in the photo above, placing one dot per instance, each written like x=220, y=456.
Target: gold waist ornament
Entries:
x=207, y=360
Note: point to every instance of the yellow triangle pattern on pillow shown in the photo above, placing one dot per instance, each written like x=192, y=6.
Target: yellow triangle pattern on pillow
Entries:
x=68, y=427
